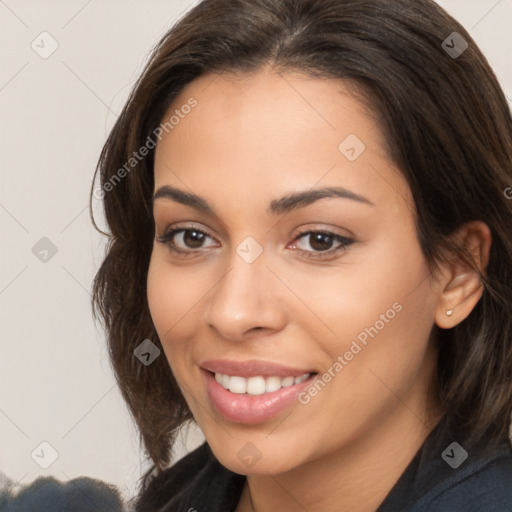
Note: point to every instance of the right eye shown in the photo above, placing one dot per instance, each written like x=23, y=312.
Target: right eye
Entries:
x=185, y=241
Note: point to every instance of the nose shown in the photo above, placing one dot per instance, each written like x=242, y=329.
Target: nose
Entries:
x=246, y=300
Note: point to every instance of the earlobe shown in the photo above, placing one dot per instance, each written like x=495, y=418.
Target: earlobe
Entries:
x=463, y=286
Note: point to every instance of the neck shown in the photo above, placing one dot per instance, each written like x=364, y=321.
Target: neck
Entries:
x=355, y=478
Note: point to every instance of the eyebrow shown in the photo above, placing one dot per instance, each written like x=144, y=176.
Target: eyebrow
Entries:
x=282, y=205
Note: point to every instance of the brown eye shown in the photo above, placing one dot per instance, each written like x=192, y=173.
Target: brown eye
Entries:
x=320, y=241
x=321, y=244
x=184, y=240
x=193, y=239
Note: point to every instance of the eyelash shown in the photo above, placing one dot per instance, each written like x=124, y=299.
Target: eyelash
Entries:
x=344, y=246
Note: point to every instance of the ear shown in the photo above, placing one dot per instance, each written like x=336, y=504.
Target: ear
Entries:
x=461, y=284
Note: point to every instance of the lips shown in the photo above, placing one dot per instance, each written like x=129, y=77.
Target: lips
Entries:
x=253, y=368
x=255, y=406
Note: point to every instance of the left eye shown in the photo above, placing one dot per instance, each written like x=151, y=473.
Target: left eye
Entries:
x=321, y=241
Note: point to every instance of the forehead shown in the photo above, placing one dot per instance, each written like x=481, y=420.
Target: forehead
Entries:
x=269, y=101
x=286, y=129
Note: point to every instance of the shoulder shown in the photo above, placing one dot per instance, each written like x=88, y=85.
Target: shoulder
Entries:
x=485, y=484
x=445, y=476
x=196, y=482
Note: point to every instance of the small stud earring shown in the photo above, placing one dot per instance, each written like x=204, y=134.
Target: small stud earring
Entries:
x=449, y=312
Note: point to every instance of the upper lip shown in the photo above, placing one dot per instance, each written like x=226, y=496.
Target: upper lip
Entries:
x=251, y=368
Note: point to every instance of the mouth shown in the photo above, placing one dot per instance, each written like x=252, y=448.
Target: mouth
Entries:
x=257, y=385
x=253, y=399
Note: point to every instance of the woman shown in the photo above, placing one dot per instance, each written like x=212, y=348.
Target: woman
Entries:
x=311, y=257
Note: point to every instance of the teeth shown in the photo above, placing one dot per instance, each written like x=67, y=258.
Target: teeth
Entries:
x=256, y=385
x=272, y=384
x=288, y=381
x=237, y=384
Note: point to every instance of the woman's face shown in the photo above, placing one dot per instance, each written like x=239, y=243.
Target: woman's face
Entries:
x=332, y=283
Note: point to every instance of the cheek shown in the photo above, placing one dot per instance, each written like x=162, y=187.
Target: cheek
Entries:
x=375, y=311
x=173, y=298
x=366, y=284
x=379, y=314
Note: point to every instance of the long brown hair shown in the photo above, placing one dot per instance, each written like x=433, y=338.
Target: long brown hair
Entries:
x=448, y=129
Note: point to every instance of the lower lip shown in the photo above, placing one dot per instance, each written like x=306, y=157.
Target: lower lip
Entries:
x=251, y=409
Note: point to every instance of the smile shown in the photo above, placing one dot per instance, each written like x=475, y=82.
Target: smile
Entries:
x=253, y=399
x=257, y=385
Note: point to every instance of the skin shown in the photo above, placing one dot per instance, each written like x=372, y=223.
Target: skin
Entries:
x=252, y=139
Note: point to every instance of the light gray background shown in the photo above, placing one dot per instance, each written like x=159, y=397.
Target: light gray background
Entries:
x=56, y=381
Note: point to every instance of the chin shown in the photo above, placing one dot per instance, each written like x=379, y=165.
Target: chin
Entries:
x=256, y=457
